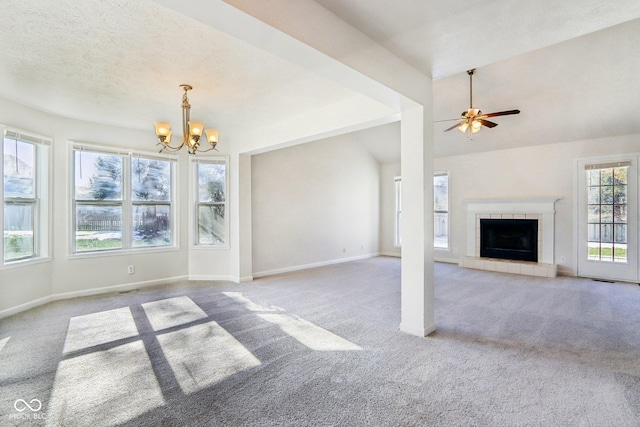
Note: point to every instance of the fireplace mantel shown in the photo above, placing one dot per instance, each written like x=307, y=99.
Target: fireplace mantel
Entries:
x=542, y=209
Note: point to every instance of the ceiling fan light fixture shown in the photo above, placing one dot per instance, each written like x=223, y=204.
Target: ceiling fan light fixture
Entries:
x=473, y=119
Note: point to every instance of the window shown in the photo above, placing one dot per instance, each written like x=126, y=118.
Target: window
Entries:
x=398, y=230
x=121, y=201
x=151, y=198
x=441, y=211
x=25, y=219
x=607, y=212
x=211, y=203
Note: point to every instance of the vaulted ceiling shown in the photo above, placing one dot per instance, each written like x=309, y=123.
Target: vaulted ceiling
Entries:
x=569, y=66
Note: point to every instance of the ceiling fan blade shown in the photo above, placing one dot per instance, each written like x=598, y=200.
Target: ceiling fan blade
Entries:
x=452, y=127
x=487, y=123
x=501, y=113
x=461, y=119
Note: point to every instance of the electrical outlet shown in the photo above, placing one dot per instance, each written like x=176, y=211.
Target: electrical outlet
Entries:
x=562, y=259
x=344, y=250
x=131, y=269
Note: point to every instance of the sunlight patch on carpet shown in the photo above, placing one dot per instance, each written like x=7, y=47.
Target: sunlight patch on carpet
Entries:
x=99, y=328
x=3, y=342
x=203, y=355
x=171, y=312
x=104, y=387
x=248, y=304
x=309, y=334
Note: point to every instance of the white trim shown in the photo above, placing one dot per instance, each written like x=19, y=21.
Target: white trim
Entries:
x=393, y=254
x=42, y=202
x=25, y=262
x=88, y=292
x=312, y=265
x=193, y=201
x=122, y=252
x=126, y=202
x=446, y=260
x=123, y=151
x=200, y=278
x=625, y=272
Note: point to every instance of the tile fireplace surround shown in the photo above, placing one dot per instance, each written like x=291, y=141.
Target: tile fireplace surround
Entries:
x=541, y=209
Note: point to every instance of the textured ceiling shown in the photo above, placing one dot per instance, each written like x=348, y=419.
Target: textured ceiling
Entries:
x=121, y=62
x=570, y=66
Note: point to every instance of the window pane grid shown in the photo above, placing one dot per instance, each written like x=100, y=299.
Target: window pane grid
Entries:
x=121, y=201
x=21, y=198
x=210, y=205
x=607, y=214
x=441, y=211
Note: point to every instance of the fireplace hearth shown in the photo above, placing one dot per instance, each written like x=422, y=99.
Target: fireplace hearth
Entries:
x=512, y=239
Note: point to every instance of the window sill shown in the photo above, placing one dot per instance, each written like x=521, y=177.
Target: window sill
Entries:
x=123, y=252
x=209, y=248
x=25, y=262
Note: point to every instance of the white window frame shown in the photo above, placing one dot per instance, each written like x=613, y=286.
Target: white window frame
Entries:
x=40, y=201
x=127, y=202
x=436, y=212
x=195, y=202
x=398, y=209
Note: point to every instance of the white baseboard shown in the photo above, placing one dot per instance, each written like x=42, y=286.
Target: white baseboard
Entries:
x=235, y=279
x=312, y=265
x=213, y=277
x=87, y=292
x=393, y=254
x=447, y=260
x=26, y=306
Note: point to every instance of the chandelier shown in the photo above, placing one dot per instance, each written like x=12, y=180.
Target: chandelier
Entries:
x=191, y=131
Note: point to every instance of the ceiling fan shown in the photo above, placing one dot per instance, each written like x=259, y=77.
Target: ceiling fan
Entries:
x=472, y=120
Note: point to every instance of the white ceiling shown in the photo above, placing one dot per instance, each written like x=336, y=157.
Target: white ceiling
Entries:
x=121, y=62
x=569, y=66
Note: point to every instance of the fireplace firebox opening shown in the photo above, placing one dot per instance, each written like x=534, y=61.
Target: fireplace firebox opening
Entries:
x=514, y=239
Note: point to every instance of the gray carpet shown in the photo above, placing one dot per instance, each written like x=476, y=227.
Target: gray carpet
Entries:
x=321, y=347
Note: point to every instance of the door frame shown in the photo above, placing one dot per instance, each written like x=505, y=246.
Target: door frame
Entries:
x=630, y=272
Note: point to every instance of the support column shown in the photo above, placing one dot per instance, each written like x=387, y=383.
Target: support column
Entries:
x=240, y=218
x=417, y=285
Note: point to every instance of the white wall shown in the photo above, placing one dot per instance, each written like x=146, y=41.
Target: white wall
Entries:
x=388, y=172
x=314, y=203
x=540, y=171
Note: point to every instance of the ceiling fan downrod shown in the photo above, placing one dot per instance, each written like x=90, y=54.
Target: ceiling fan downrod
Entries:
x=470, y=72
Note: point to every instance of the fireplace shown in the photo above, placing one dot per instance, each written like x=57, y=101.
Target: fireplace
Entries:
x=540, y=211
x=514, y=239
